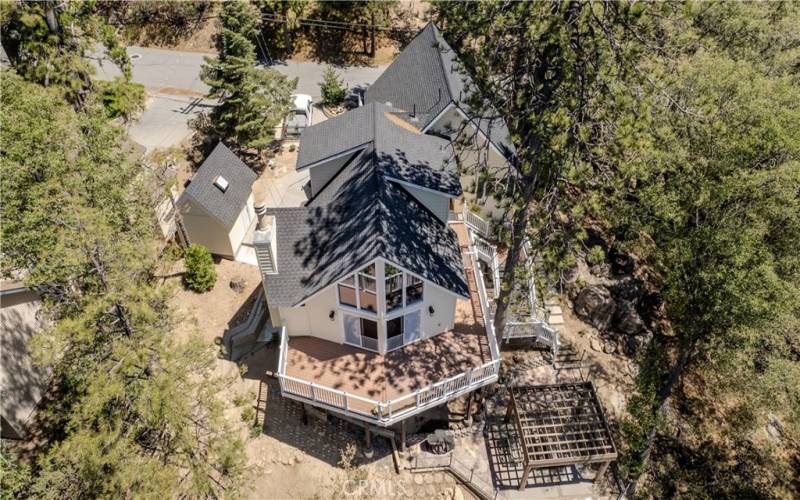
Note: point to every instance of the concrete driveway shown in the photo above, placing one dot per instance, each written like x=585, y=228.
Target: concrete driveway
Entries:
x=165, y=121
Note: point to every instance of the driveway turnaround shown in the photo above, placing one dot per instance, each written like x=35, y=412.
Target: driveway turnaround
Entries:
x=165, y=122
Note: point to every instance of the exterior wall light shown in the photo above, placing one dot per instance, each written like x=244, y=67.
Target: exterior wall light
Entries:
x=332, y=315
x=431, y=311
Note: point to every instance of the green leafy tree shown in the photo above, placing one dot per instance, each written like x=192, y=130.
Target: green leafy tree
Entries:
x=14, y=477
x=47, y=43
x=253, y=101
x=200, y=274
x=553, y=71
x=331, y=88
x=371, y=14
x=136, y=411
x=287, y=15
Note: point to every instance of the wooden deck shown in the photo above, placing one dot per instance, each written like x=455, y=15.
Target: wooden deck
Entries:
x=403, y=371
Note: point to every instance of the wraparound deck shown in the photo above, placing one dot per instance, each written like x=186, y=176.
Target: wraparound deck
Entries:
x=384, y=389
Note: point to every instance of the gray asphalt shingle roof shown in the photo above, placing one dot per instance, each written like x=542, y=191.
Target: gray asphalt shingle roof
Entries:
x=361, y=216
x=223, y=206
x=427, y=76
x=407, y=155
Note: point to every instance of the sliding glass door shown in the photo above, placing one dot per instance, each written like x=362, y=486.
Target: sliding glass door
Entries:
x=361, y=332
x=402, y=330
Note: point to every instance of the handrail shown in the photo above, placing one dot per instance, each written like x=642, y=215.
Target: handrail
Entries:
x=475, y=221
x=485, y=309
x=283, y=350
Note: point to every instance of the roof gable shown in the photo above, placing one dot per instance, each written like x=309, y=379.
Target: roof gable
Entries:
x=225, y=206
x=361, y=217
x=404, y=153
x=427, y=73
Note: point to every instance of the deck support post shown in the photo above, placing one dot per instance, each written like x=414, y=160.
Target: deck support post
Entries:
x=303, y=414
x=468, y=416
x=602, y=471
x=368, y=452
x=523, y=482
x=402, y=436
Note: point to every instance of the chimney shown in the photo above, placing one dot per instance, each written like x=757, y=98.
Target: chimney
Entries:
x=260, y=204
x=264, y=238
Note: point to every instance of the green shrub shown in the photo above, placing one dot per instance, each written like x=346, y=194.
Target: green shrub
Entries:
x=595, y=255
x=200, y=275
x=121, y=98
x=248, y=414
x=331, y=88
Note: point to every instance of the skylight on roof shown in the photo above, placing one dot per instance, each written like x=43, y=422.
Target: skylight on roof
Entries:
x=221, y=183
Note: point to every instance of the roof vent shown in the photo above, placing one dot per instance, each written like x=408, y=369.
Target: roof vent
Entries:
x=221, y=183
x=389, y=103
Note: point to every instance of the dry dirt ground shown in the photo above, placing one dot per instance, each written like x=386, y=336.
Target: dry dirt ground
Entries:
x=288, y=459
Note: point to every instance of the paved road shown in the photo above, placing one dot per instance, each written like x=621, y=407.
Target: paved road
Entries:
x=159, y=69
x=172, y=79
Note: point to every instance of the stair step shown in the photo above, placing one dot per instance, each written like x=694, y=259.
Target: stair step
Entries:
x=555, y=310
x=555, y=319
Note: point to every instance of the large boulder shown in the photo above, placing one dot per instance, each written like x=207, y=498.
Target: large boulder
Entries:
x=595, y=305
x=635, y=344
x=627, y=319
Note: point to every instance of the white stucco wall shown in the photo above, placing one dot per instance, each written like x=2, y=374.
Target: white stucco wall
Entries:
x=314, y=318
x=444, y=306
x=470, y=156
x=239, y=229
x=439, y=204
x=205, y=230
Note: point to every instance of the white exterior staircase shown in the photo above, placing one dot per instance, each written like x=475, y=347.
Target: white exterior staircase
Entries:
x=529, y=322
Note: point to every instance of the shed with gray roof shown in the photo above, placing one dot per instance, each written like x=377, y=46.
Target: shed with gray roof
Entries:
x=217, y=206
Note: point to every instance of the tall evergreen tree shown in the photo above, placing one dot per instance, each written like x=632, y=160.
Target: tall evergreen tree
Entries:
x=553, y=71
x=667, y=130
x=136, y=411
x=48, y=41
x=253, y=100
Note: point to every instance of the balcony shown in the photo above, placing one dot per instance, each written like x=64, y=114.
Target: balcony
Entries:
x=385, y=389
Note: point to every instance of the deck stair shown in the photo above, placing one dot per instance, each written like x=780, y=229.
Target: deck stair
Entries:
x=525, y=318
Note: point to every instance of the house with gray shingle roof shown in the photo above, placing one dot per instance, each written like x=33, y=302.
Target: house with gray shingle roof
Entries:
x=373, y=284
x=216, y=208
x=428, y=87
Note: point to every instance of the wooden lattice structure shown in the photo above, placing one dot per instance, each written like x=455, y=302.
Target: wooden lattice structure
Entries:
x=560, y=424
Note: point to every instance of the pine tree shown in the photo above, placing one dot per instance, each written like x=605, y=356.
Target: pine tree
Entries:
x=47, y=43
x=252, y=100
x=136, y=412
x=200, y=275
x=671, y=135
x=331, y=88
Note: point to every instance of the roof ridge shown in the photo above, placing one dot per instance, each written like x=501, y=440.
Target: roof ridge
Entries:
x=437, y=36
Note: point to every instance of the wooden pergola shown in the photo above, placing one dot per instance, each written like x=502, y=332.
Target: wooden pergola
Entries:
x=560, y=424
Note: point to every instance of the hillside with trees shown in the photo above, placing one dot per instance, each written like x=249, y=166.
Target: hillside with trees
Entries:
x=132, y=411
x=663, y=137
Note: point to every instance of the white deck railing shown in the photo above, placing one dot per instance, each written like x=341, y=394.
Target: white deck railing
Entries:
x=529, y=327
x=385, y=413
x=477, y=223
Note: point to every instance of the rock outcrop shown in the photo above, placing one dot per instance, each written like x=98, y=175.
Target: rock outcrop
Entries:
x=595, y=305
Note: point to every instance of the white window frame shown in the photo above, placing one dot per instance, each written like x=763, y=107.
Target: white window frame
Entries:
x=356, y=286
x=403, y=313
x=404, y=306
